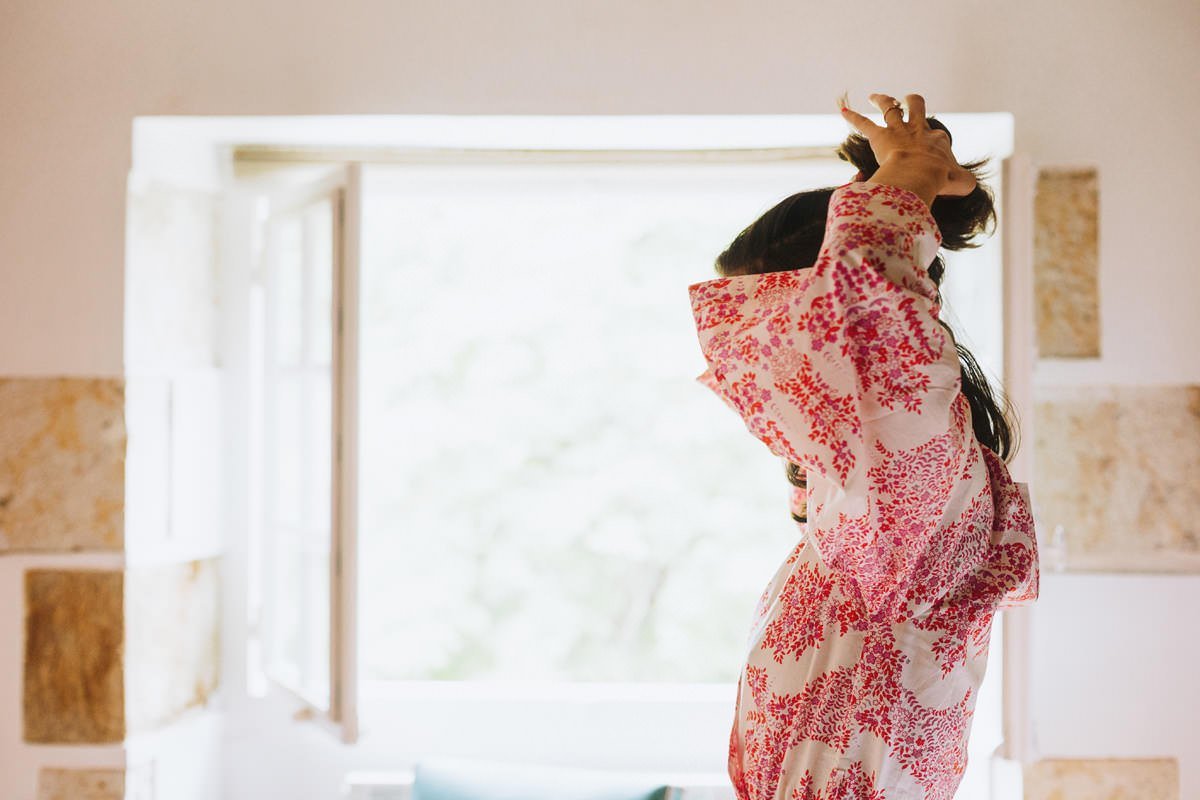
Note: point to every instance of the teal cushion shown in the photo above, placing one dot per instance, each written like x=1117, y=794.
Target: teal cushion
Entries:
x=455, y=779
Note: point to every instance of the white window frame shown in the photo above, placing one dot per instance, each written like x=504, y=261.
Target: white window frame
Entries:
x=249, y=206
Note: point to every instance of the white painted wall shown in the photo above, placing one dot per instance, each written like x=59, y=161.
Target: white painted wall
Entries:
x=1110, y=84
x=1116, y=659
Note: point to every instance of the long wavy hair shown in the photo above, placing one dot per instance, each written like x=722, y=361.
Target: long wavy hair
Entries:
x=789, y=237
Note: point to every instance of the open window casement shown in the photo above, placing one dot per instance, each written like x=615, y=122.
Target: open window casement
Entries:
x=302, y=232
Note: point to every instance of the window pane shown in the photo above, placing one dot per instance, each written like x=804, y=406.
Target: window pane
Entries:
x=287, y=289
x=287, y=424
x=298, y=613
x=973, y=291
x=319, y=229
x=545, y=491
x=318, y=456
x=297, y=426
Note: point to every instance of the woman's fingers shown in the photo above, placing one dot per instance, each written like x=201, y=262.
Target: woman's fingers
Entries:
x=884, y=102
x=916, y=108
x=930, y=138
x=864, y=125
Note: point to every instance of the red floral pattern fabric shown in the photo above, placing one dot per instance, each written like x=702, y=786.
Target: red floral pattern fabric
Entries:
x=869, y=644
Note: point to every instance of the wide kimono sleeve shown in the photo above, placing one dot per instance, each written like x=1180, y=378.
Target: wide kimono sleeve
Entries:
x=810, y=358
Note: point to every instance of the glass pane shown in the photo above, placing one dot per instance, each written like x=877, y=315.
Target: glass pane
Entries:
x=287, y=289
x=319, y=221
x=288, y=424
x=298, y=428
x=318, y=453
x=315, y=597
x=973, y=291
x=545, y=491
x=298, y=644
x=283, y=615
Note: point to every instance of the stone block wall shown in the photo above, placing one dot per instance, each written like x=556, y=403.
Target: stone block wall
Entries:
x=113, y=642
x=81, y=784
x=1114, y=465
x=74, y=685
x=1116, y=472
x=1103, y=779
x=1067, y=258
x=62, y=473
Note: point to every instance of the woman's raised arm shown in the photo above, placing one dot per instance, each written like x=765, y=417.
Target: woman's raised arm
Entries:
x=808, y=357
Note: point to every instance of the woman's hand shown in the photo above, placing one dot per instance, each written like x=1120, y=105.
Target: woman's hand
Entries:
x=914, y=155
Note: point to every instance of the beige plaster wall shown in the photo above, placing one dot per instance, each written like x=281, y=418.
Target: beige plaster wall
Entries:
x=1104, y=85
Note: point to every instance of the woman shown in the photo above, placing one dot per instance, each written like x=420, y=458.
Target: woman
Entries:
x=869, y=644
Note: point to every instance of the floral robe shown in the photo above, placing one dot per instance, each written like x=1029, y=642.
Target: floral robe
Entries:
x=869, y=644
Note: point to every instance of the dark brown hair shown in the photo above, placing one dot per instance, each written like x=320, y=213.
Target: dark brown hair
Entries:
x=789, y=236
